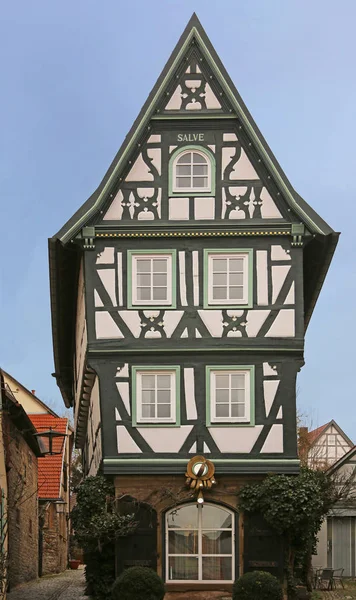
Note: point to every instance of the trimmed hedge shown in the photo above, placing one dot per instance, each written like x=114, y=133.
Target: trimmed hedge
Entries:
x=140, y=583
x=257, y=585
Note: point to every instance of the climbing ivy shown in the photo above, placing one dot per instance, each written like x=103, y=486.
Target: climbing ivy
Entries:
x=97, y=524
x=295, y=506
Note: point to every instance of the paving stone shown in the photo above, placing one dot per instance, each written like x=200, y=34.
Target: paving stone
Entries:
x=65, y=586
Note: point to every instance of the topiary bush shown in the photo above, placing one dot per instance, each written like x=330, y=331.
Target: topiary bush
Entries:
x=257, y=585
x=138, y=583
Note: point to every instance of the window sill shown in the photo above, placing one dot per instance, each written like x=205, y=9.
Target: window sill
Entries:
x=155, y=424
x=199, y=585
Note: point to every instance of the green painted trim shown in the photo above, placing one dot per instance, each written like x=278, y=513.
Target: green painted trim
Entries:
x=216, y=349
x=210, y=156
x=216, y=460
x=134, y=370
x=208, y=370
x=130, y=254
x=244, y=118
x=248, y=251
x=195, y=117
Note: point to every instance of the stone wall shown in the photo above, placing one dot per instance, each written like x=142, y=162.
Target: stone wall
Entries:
x=54, y=539
x=21, y=464
x=164, y=492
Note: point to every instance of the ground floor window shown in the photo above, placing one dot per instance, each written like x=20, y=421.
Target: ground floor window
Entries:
x=200, y=543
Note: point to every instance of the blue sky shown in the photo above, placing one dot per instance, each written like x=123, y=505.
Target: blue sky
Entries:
x=75, y=73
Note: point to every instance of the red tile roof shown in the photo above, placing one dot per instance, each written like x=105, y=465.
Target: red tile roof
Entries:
x=50, y=467
x=314, y=434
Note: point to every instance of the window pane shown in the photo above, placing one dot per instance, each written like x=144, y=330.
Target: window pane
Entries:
x=238, y=381
x=220, y=279
x=219, y=293
x=198, y=158
x=164, y=382
x=183, y=182
x=160, y=279
x=215, y=517
x=143, y=265
x=238, y=396
x=163, y=396
x=148, y=411
x=160, y=265
x=200, y=182
x=160, y=293
x=216, y=542
x=184, y=518
x=236, y=279
x=238, y=410
x=144, y=279
x=143, y=294
x=148, y=382
x=222, y=396
x=148, y=396
x=185, y=158
x=217, y=568
x=183, y=542
x=236, y=293
x=222, y=411
x=183, y=169
x=183, y=567
x=236, y=264
x=222, y=381
x=219, y=265
x=200, y=170
x=164, y=411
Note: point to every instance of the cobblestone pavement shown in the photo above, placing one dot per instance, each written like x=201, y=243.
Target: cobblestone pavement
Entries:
x=65, y=586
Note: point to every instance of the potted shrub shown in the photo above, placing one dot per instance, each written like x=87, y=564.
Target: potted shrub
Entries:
x=140, y=583
x=257, y=585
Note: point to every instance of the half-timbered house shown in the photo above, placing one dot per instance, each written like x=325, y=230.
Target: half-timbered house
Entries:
x=181, y=292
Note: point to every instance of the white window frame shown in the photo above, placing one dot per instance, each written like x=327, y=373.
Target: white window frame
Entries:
x=173, y=398
x=134, y=284
x=225, y=255
x=183, y=190
x=230, y=419
x=200, y=554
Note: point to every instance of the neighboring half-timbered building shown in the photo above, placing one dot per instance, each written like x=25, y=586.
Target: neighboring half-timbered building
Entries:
x=181, y=292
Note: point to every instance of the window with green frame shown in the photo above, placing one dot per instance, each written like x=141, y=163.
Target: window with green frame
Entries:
x=192, y=172
x=151, y=279
x=228, y=278
x=230, y=394
x=156, y=395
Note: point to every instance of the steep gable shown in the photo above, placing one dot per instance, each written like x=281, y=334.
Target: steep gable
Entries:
x=328, y=444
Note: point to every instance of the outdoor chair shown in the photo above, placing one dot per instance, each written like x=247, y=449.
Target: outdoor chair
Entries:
x=337, y=577
x=325, y=579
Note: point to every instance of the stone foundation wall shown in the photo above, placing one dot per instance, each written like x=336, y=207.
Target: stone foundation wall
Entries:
x=55, y=541
x=164, y=492
x=21, y=465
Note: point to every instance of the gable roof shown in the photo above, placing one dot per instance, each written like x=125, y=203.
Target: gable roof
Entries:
x=315, y=434
x=194, y=32
x=34, y=397
x=50, y=468
x=64, y=257
x=348, y=456
x=19, y=417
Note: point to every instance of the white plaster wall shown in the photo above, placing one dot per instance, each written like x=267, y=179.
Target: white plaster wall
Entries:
x=321, y=558
x=94, y=454
x=80, y=334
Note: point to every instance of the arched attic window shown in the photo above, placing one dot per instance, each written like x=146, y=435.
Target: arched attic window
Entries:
x=192, y=171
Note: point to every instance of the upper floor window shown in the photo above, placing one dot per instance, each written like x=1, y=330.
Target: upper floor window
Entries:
x=228, y=278
x=230, y=394
x=192, y=172
x=156, y=395
x=151, y=278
